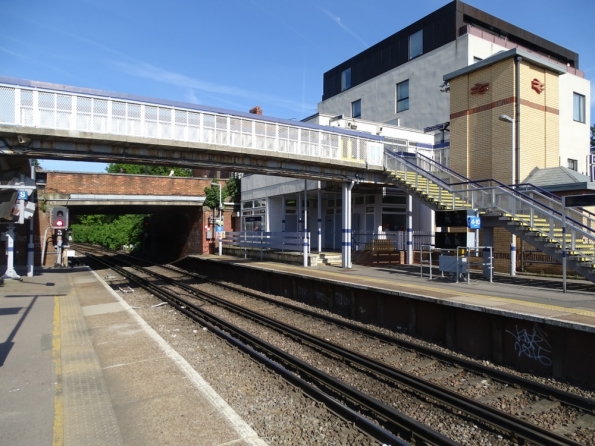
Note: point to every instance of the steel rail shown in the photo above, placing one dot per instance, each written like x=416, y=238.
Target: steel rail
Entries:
x=543, y=390
x=562, y=396
x=417, y=432
x=515, y=427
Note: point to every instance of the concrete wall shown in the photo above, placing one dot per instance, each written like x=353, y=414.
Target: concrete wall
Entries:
x=574, y=136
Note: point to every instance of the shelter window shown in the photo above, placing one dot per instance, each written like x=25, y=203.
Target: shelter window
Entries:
x=403, y=96
x=579, y=107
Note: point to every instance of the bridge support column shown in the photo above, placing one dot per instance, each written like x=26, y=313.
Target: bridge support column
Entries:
x=10, y=272
x=409, y=229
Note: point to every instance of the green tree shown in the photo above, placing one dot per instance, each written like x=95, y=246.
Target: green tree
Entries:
x=232, y=189
x=109, y=231
x=138, y=169
x=212, y=196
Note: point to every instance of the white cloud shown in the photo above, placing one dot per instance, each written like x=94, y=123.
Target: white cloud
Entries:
x=148, y=71
x=337, y=20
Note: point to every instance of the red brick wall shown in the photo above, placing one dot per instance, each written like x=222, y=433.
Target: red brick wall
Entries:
x=124, y=184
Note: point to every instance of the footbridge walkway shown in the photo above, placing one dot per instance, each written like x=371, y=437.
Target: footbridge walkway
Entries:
x=61, y=122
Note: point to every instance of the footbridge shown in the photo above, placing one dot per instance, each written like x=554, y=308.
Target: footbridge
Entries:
x=50, y=121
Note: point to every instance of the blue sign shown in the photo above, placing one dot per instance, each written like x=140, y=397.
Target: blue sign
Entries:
x=473, y=222
x=23, y=195
x=219, y=229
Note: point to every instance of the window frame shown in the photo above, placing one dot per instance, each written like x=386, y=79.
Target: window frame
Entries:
x=404, y=99
x=359, y=105
x=417, y=39
x=346, y=79
x=578, y=107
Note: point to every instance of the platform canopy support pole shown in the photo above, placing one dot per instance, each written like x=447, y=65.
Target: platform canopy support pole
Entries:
x=346, y=245
x=409, y=229
x=319, y=201
x=283, y=212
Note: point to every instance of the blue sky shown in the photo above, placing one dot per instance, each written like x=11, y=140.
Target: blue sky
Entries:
x=235, y=54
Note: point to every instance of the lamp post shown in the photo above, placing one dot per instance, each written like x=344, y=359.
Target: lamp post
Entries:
x=220, y=216
x=506, y=118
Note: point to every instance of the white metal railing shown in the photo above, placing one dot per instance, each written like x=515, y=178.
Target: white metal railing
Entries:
x=282, y=241
x=533, y=207
x=388, y=240
x=64, y=110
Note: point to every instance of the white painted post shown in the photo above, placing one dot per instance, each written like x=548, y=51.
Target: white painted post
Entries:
x=564, y=244
x=10, y=272
x=283, y=213
x=409, y=229
x=319, y=219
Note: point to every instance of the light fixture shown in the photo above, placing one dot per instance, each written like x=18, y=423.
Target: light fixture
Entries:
x=506, y=118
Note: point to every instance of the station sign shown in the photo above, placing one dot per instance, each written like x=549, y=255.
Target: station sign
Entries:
x=23, y=195
x=473, y=222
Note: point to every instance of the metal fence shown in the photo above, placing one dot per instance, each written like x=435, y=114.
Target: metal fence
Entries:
x=63, y=110
x=281, y=241
x=389, y=241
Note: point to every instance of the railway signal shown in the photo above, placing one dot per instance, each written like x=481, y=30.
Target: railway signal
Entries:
x=59, y=217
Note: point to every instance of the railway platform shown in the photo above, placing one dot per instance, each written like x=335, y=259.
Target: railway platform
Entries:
x=528, y=295
x=78, y=366
x=525, y=322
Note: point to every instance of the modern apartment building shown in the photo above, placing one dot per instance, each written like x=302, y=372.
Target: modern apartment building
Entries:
x=439, y=86
x=400, y=80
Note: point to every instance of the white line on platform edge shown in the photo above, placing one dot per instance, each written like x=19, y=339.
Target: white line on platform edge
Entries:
x=241, y=427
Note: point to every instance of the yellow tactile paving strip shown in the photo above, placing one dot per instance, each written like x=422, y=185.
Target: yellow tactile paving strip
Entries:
x=424, y=290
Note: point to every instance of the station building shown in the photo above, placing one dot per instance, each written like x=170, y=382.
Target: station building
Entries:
x=438, y=87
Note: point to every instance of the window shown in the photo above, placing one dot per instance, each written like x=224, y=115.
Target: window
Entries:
x=416, y=44
x=578, y=107
x=403, y=96
x=346, y=79
x=572, y=164
x=396, y=145
x=356, y=109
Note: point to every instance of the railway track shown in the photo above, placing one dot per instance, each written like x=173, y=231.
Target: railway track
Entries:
x=496, y=423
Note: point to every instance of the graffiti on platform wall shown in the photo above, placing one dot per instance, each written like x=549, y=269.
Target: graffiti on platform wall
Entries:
x=302, y=292
x=532, y=344
x=341, y=300
x=321, y=298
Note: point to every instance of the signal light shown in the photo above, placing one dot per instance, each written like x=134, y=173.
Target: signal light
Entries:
x=59, y=217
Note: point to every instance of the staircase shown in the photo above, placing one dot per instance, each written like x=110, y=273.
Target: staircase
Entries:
x=528, y=212
x=333, y=259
